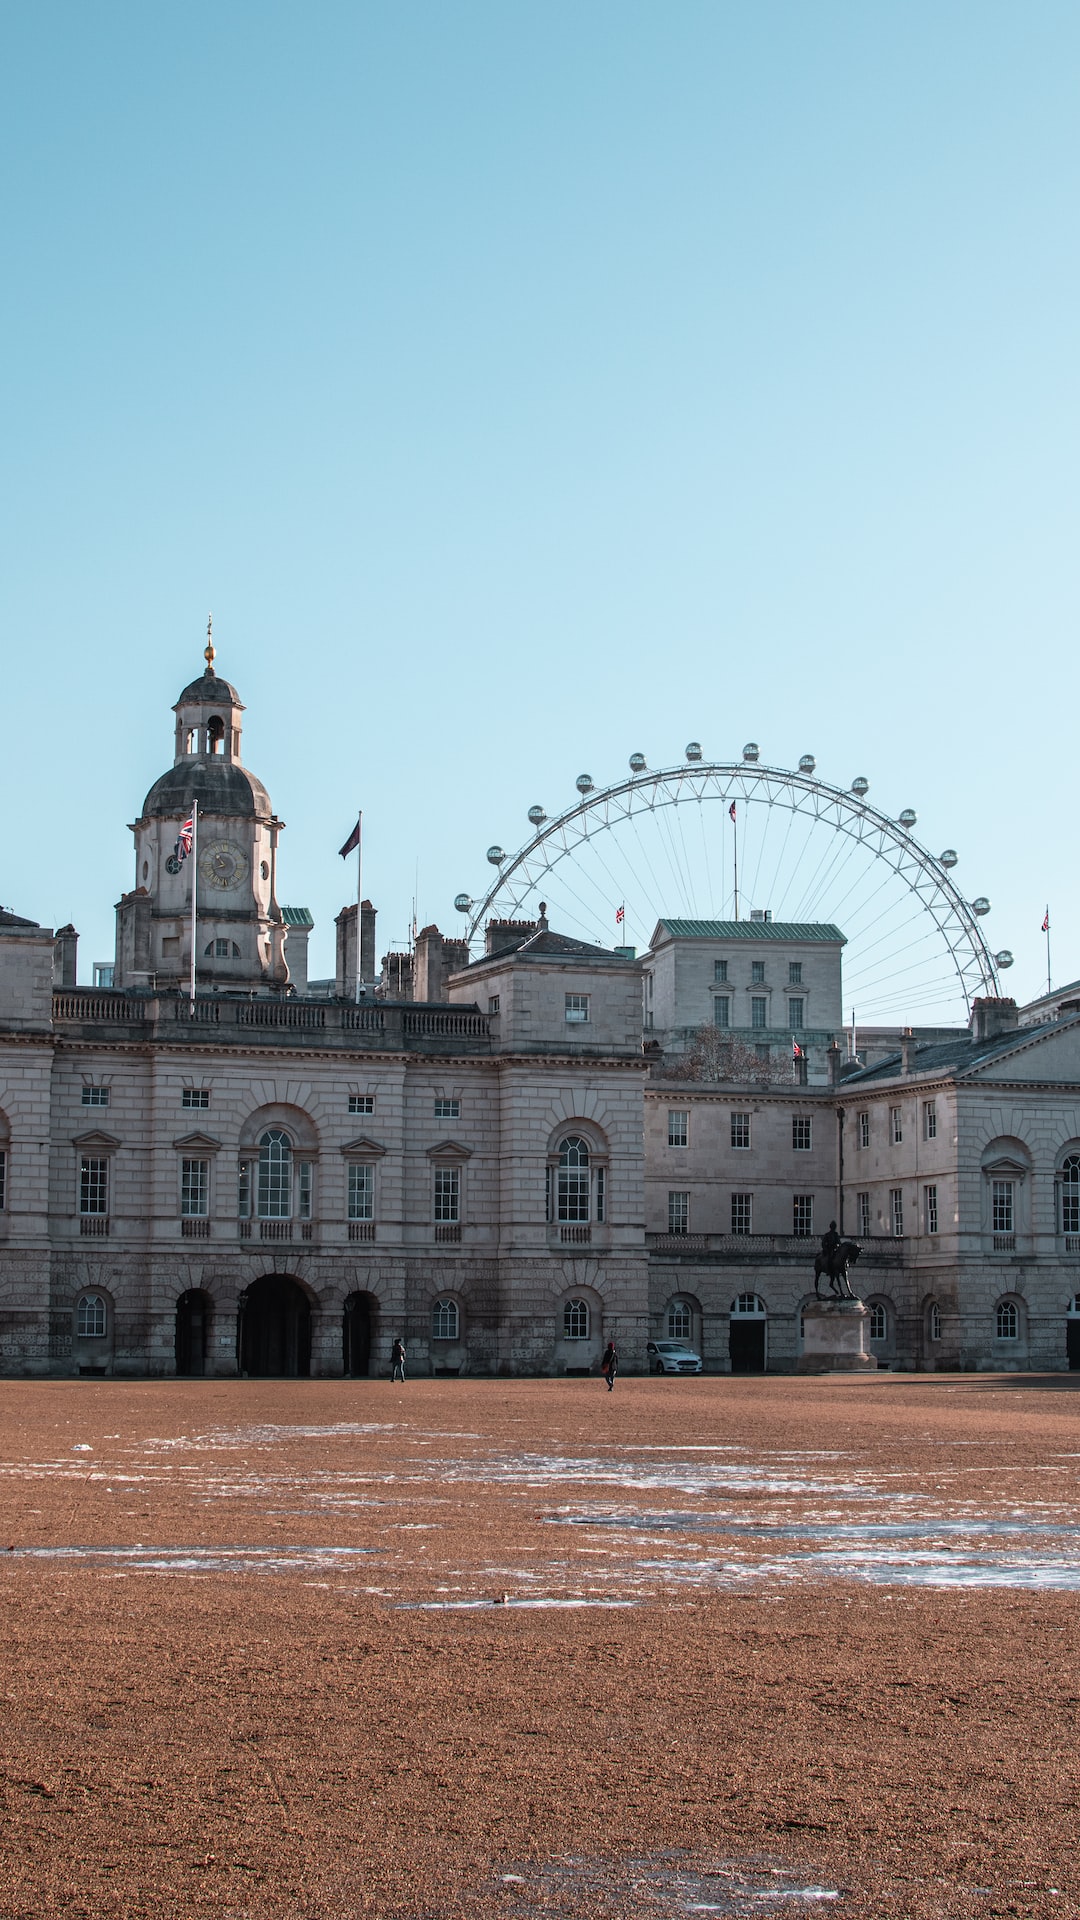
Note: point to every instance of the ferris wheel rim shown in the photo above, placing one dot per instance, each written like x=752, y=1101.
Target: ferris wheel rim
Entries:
x=976, y=967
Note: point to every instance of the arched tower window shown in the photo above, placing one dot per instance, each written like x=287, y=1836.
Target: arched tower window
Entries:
x=275, y=1175
x=215, y=734
x=573, y=1179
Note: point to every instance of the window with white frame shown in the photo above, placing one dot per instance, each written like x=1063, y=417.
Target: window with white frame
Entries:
x=93, y=1184
x=304, y=1183
x=801, y=1133
x=1007, y=1320
x=445, y=1320
x=742, y=1213
x=1070, y=1193
x=794, y=973
x=447, y=1109
x=194, y=1189
x=678, y=1213
x=879, y=1322
x=96, y=1096
x=576, y=1320
x=719, y=970
x=361, y=1190
x=494, y=1003
x=721, y=1010
x=740, y=1130
x=930, y=1213
x=759, y=1011
x=243, y=1190
x=91, y=1317
x=572, y=1180
x=795, y=1013
x=195, y=1097
x=361, y=1103
x=282, y=1183
x=757, y=973
x=933, y=1321
x=678, y=1127
x=929, y=1119
x=447, y=1196
x=680, y=1320
x=896, y=1125
x=862, y=1126
x=3, y=1179
x=802, y=1213
x=896, y=1210
x=1003, y=1212
x=577, y=1008
x=862, y=1204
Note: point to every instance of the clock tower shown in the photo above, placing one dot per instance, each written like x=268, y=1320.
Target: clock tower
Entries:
x=240, y=933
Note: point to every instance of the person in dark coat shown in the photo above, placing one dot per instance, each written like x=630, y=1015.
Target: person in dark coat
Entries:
x=397, y=1361
x=609, y=1365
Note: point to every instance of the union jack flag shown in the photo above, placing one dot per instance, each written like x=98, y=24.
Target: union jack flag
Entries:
x=796, y=1051
x=620, y=916
x=183, y=844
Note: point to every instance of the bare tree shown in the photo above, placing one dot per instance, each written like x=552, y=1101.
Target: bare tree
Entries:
x=714, y=1055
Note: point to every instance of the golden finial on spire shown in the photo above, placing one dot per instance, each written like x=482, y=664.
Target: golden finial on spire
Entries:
x=209, y=654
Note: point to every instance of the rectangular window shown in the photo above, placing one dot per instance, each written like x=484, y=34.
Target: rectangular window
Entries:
x=794, y=973
x=801, y=1132
x=221, y=949
x=740, y=1129
x=759, y=1012
x=929, y=1120
x=3, y=1179
x=678, y=1129
x=361, y=1103
x=1002, y=1205
x=195, y=1097
x=601, y=1195
x=304, y=1181
x=577, y=1008
x=863, y=1124
x=757, y=973
x=742, y=1213
x=447, y=1109
x=361, y=1191
x=243, y=1190
x=93, y=1186
x=802, y=1213
x=896, y=1208
x=896, y=1125
x=96, y=1096
x=930, y=1209
x=795, y=1013
x=862, y=1202
x=447, y=1195
x=494, y=1003
x=194, y=1189
x=719, y=972
x=678, y=1212
x=721, y=1010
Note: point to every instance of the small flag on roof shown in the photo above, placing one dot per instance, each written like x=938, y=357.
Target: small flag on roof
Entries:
x=353, y=840
x=183, y=843
x=620, y=916
x=1046, y=921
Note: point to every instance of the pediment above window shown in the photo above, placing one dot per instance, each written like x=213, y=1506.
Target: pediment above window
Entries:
x=1005, y=1168
x=96, y=1142
x=450, y=1152
x=363, y=1148
x=197, y=1143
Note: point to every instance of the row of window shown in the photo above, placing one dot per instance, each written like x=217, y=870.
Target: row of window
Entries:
x=97, y=1095
x=757, y=972
x=896, y=1124
x=742, y=1213
x=802, y=1136
x=759, y=1012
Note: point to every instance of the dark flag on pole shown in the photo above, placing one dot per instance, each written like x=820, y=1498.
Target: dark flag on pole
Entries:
x=1046, y=922
x=353, y=840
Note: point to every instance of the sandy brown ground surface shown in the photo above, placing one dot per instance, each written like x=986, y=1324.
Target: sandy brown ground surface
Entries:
x=305, y=1649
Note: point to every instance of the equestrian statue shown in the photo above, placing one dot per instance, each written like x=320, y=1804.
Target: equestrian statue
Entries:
x=836, y=1256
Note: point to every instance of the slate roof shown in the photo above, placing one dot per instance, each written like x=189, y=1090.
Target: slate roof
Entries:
x=785, y=930
x=9, y=919
x=220, y=786
x=952, y=1056
x=210, y=691
x=551, y=946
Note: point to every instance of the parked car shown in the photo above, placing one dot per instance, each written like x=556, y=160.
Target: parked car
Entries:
x=672, y=1356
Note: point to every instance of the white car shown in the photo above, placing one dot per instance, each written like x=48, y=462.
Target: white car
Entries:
x=672, y=1356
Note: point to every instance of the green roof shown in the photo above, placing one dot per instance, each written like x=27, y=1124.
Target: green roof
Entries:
x=786, y=930
x=297, y=916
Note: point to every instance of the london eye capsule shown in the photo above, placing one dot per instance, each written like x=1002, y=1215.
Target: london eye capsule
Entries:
x=751, y=750
x=584, y=783
x=860, y=785
x=807, y=763
x=462, y=902
x=1004, y=958
x=638, y=763
x=908, y=818
x=693, y=749
x=496, y=856
x=981, y=905
x=537, y=816
x=949, y=858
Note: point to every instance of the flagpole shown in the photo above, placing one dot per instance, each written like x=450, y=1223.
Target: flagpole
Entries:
x=735, y=825
x=359, y=890
x=194, y=888
x=1046, y=924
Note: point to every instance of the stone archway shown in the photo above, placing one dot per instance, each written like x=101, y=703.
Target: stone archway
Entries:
x=357, y=1334
x=273, y=1332
x=193, y=1312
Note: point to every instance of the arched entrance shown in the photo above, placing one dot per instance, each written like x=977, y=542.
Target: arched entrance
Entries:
x=357, y=1334
x=274, y=1329
x=1072, y=1334
x=193, y=1311
x=746, y=1334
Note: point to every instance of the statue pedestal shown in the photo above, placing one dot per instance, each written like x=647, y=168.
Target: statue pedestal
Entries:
x=836, y=1338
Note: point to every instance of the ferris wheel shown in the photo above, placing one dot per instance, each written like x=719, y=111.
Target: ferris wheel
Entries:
x=729, y=840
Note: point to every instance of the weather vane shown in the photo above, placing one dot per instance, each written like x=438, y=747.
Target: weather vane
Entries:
x=209, y=654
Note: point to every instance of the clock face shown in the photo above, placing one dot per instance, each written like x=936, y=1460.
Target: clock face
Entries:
x=222, y=864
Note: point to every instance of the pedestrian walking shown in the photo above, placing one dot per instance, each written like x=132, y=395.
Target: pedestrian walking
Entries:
x=397, y=1361
x=609, y=1365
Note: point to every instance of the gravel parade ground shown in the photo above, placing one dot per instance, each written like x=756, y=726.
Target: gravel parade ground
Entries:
x=315, y=1650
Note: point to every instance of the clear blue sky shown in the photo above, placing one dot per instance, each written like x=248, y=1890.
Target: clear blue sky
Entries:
x=525, y=385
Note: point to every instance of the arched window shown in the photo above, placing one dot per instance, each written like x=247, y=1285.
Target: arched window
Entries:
x=275, y=1175
x=573, y=1179
x=680, y=1320
x=879, y=1322
x=90, y=1317
x=1008, y=1320
x=576, y=1320
x=933, y=1321
x=1070, y=1194
x=444, y=1320
x=215, y=734
x=749, y=1305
